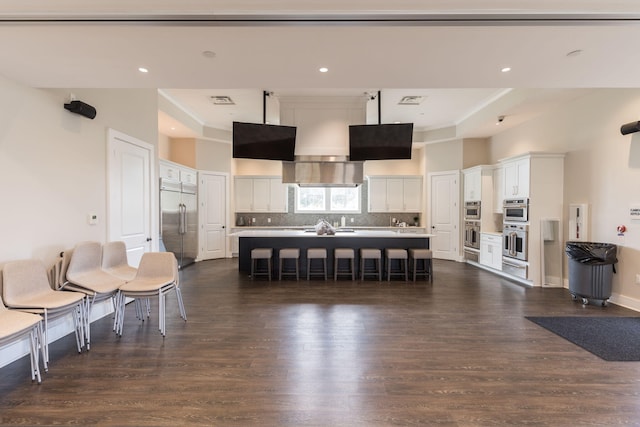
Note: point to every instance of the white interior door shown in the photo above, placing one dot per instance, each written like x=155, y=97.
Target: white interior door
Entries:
x=445, y=214
x=213, y=215
x=130, y=194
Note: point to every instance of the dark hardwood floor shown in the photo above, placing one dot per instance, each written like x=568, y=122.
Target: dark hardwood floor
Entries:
x=457, y=352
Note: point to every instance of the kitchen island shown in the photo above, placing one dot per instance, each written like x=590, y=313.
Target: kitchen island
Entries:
x=305, y=239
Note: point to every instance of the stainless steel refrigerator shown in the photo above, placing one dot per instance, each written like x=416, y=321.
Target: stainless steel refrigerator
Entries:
x=179, y=220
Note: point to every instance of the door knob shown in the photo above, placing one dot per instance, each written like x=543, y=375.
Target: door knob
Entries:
x=148, y=239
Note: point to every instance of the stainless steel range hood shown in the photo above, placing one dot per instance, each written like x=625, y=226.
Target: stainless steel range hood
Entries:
x=322, y=171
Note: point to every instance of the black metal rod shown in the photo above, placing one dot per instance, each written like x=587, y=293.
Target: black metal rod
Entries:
x=379, y=108
x=264, y=106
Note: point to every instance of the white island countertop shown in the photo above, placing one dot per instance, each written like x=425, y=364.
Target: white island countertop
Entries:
x=339, y=233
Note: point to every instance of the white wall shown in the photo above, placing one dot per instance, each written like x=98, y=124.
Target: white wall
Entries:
x=602, y=168
x=411, y=166
x=214, y=156
x=53, y=165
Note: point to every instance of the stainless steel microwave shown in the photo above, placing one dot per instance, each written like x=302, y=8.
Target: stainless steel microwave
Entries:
x=516, y=210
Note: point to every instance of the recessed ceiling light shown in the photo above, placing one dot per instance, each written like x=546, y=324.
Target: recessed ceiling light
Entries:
x=208, y=54
x=323, y=69
x=506, y=69
x=143, y=70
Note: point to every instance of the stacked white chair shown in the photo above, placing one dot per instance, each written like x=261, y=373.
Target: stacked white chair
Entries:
x=26, y=288
x=85, y=274
x=157, y=275
x=15, y=326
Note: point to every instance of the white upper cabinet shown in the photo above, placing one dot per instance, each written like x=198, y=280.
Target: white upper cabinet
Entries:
x=412, y=192
x=278, y=195
x=176, y=172
x=395, y=194
x=516, y=178
x=472, y=185
x=188, y=176
x=377, y=194
x=243, y=194
x=260, y=194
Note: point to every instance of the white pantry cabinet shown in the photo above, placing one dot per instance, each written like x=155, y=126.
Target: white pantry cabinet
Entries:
x=395, y=193
x=260, y=194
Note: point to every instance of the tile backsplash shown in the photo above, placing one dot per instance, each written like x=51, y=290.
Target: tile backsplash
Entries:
x=292, y=219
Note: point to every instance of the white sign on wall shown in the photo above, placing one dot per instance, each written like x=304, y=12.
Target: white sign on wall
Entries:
x=634, y=212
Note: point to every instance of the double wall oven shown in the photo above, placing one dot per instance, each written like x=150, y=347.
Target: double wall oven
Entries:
x=515, y=236
x=514, y=241
x=472, y=231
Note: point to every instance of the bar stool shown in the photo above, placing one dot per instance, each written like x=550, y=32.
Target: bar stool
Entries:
x=344, y=254
x=424, y=255
x=285, y=254
x=317, y=253
x=370, y=254
x=401, y=256
x=258, y=254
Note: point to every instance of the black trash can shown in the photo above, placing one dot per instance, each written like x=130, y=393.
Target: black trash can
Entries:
x=591, y=269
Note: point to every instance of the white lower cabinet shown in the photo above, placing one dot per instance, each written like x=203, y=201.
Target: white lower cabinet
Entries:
x=491, y=250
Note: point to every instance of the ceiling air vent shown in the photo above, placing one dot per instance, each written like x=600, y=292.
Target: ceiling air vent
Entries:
x=411, y=100
x=222, y=100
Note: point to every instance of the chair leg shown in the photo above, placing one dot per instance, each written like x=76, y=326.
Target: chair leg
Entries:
x=45, y=336
x=35, y=369
x=183, y=312
x=42, y=348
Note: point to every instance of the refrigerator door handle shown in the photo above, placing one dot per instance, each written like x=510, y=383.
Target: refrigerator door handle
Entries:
x=181, y=218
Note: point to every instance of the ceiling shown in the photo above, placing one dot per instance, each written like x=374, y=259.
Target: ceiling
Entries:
x=450, y=53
